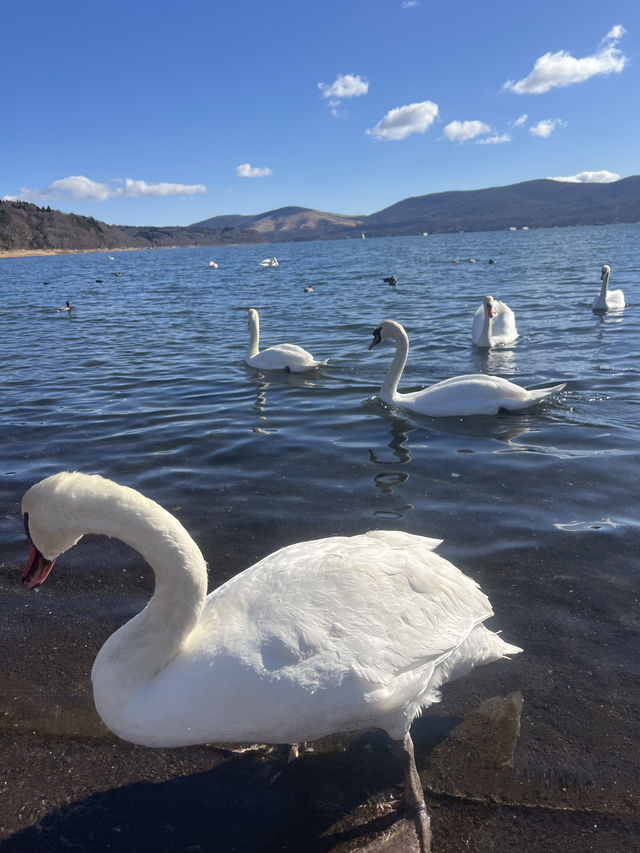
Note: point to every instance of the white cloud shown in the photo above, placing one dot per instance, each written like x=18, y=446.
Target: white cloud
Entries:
x=546, y=127
x=614, y=34
x=460, y=131
x=403, y=121
x=496, y=139
x=137, y=188
x=344, y=86
x=81, y=188
x=561, y=69
x=601, y=177
x=246, y=170
x=409, y=4
x=520, y=120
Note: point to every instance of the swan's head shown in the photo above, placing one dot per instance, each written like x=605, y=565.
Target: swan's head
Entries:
x=605, y=272
x=488, y=306
x=52, y=511
x=252, y=316
x=387, y=329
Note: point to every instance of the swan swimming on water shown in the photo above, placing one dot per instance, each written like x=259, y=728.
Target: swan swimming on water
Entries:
x=333, y=635
x=608, y=300
x=288, y=357
x=494, y=324
x=469, y=394
x=269, y=262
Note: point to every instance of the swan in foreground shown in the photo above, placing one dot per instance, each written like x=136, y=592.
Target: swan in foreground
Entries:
x=608, y=300
x=289, y=357
x=269, y=262
x=333, y=635
x=494, y=324
x=470, y=394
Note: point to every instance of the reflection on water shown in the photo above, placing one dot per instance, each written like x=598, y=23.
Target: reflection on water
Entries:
x=496, y=361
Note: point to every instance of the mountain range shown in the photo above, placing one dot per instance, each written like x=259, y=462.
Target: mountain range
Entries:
x=532, y=204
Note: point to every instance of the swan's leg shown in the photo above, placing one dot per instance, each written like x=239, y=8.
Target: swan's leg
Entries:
x=413, y=793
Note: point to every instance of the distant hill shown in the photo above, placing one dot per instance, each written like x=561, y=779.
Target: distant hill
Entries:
x=535, y=204
x=24, y=226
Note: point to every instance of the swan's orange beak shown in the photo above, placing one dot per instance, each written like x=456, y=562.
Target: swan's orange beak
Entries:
x=490, y=311
x=376, y=338
x=602, y=276
x=37, y=568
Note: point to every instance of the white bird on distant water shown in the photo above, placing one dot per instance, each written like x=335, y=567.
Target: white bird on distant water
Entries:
x=269, y=262
x=608, y=300
x=213, y=265
x=494, y=324
x=326, y=636
x=67, y=307
x=288, y=357
x=469, y=394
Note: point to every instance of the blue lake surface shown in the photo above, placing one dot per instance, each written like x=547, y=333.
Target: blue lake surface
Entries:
x=144, y=382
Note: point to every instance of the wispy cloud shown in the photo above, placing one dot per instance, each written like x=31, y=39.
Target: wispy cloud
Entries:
x=461, y=131
x=520, y=120
x=496, y=139
x=601, y=177
x=246, y=170
x=409, y=4
x=553, y=70
x=403, y=121
x=546, y=127
x=81, y=188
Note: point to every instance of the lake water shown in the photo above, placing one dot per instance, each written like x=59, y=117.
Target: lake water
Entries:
x=144, y=382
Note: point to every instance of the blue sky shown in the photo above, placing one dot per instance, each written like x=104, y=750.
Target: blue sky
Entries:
x=162, y=113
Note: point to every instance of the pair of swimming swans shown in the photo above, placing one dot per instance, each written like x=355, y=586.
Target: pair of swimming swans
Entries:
x=324, y=636
x=607, y=300
x=469, y=394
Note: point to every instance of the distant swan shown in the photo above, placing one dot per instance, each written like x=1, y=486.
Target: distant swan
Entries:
x=326, y=636
x=213, y=265
x=608, y=300
x=67, y=307
x=289, y=357
x=470, y=394
x=493, y=324
x=269, y=262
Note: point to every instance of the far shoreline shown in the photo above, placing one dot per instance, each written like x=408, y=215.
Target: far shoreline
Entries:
x=35, y=253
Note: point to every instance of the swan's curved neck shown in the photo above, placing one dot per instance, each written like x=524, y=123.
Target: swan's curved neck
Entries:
x=390, y=382
x=254, y=335
x=485, y=333
x=146, y=644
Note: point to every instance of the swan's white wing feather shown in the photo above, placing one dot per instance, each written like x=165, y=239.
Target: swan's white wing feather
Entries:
x=503, y=330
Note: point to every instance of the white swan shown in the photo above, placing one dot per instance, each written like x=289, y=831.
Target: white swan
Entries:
x=470, y=394
x=289, y=357
x=326, y=636
x=494, y=324
x=67, y=307
x=269, y=262
x=608, y=300
x=213, y=265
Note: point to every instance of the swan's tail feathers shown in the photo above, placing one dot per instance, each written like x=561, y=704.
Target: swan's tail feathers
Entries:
x=498, y=648
x=541, y=393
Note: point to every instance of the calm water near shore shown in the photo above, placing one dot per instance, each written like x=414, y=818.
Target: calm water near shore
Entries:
x=144, y=382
